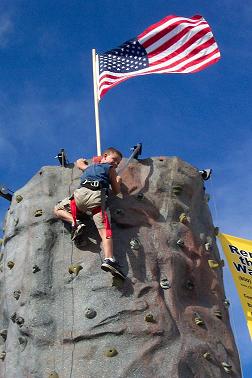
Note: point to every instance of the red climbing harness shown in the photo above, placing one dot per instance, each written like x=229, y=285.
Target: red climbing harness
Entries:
x=73, y=208
x=96, y=210
x=105, y=220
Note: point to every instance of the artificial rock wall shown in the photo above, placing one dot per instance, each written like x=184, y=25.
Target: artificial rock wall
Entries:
x=62, y=316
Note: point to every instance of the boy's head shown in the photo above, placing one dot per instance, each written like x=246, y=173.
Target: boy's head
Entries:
x=112, y=156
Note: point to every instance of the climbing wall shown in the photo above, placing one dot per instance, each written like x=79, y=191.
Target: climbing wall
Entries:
x=62, y=316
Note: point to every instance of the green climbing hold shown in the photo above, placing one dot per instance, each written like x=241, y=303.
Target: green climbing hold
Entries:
x=227, y=367
x=207, y=356
x=53, y=374
x=10, y=264
x=111, y=352
x=19, y=198
x=75, y=269
x=149, y=318
x=198, y=320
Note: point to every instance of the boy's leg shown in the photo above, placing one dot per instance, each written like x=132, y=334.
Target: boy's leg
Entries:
x=63, y=211
x=107, y=244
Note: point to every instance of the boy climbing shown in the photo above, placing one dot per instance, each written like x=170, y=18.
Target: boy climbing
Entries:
x=91, y=196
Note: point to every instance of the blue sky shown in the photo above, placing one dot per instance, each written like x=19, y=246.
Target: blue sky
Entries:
x=46, y=101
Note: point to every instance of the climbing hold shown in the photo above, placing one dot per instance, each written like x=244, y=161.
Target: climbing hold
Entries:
x=16, y=222
x=38, y=213
x=3, y=333
x=227, y=367
x=207, y=197
x=183, y=218
x=53, y=374
x=208, y=246
x=180, y=243
x=75, y=269
x=135, y=244
x=189, y=285
x=177, y=189
x=23, y=342
x=90, y=313
x=35, y=269
x=19, y=198
x=165, y=284
x=140, y=196
x=16, y=294
x=216, y=231
x=207, y=356
x=117, y=282
x=149, y=318
x=198, y=320
x=215, y=264
x=218, y=314
x=119, y=212
x=206, y=173
x=226, y=303
x=111, y=352
x=10, y=264
x=13, y=317
x=20, y=321
x=2, y=355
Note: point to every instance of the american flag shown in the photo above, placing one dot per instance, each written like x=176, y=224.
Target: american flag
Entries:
x=173, y=45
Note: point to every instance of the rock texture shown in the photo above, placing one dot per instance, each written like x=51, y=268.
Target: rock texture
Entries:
x=168, y=319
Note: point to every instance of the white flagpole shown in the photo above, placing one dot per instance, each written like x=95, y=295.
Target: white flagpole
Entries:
x=96, y=101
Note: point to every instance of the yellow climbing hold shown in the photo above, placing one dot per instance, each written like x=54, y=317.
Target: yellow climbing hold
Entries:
x=215, y=264
x=75, y=269
x=53, y=374
x=38, y=213
x=218, y=314
x=183, y=218
x=19, y=198
x=198, y=320
x=2, y=355
x=111, y=352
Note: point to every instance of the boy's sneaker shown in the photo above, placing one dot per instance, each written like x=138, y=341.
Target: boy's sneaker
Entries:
x=76, y=231
x=112, y=267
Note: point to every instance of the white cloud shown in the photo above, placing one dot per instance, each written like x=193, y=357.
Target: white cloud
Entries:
x=6, y=28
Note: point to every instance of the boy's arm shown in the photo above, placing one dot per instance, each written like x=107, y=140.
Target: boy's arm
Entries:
x=115, y=181
x=81, y=164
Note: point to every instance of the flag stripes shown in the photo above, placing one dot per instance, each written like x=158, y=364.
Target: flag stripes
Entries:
x=173, y=45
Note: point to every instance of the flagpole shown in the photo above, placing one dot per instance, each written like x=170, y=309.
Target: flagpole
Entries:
x=96, y=101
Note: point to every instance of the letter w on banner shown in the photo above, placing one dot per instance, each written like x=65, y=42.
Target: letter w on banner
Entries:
x=173, y=45
x=238, y=253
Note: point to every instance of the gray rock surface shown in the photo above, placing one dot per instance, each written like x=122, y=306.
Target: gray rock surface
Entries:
x=168, y=319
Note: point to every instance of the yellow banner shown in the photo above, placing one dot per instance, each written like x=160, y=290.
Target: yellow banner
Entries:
x=238, y=253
